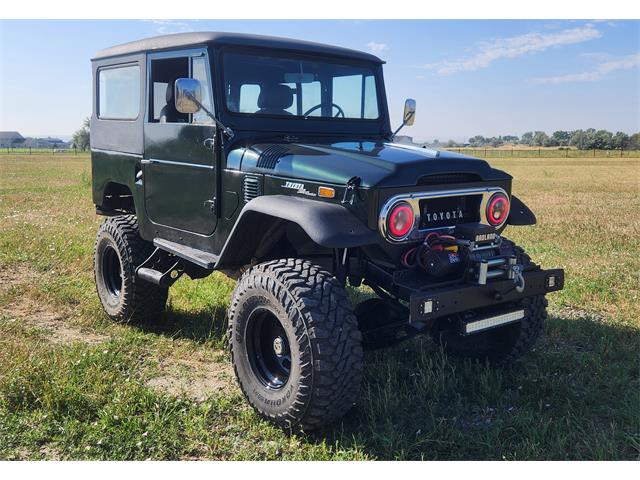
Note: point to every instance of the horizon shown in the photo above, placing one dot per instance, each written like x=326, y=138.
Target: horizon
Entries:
x=466, y=77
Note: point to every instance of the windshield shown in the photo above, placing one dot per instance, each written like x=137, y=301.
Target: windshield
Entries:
x=270, y=85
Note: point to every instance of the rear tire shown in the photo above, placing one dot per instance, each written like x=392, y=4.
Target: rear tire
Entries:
x=295, y=344
x=119, y=250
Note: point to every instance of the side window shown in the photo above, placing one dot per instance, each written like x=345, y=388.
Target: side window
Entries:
x=199, y=71
x=119, y=93
x=163, y=74
x=293, y=109
x=249, y=98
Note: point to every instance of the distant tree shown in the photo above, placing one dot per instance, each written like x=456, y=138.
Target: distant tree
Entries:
x=540, y=139
x=477, y=141
x=510, y=139
x=451, y=144
x=526, y=138
x=620, y=141
x=561, y=138
x=603, y=140
x=579, y=139
x=81, y=137
x=494, y=142
x=634, y=141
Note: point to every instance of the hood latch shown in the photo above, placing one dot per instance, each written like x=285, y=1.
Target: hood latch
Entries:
x=351, y=192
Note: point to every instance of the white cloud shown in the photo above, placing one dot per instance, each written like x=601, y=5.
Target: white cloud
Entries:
x=512, y=47
x=164, y=27
x=377, y=47
x=603, y=69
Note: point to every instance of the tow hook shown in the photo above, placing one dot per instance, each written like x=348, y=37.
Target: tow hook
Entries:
x=514, y=272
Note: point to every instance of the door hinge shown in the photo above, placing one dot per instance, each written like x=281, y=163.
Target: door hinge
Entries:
x=211, y=204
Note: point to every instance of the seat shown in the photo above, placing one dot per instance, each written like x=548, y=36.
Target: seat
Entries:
x=169, y=113
x=274, y=99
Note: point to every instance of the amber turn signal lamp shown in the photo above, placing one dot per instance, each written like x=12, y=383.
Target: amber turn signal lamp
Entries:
x=326, y=192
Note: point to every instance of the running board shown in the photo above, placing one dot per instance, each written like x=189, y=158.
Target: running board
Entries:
x=199, y=257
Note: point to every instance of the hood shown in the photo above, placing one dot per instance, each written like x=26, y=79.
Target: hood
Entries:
x=377, y=164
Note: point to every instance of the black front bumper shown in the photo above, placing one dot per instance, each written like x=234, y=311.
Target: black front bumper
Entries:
x=428, y=305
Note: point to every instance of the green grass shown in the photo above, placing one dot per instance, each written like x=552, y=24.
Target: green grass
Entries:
x=75, y=386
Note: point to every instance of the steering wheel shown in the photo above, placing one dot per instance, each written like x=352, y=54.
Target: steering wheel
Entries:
x=313, y=109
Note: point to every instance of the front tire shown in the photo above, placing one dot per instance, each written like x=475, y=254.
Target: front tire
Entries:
x=119, y=250
x=505, y=344
x=501, y=345
x=295, y=344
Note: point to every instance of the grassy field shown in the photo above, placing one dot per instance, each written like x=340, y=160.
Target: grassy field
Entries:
x=75, y=386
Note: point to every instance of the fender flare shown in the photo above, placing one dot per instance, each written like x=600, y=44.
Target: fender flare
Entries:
x=520, y=214
x=328, y=224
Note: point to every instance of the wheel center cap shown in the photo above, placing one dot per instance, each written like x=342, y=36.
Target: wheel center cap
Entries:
x=279, y=346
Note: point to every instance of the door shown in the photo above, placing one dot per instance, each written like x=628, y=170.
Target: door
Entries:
x=180, y=154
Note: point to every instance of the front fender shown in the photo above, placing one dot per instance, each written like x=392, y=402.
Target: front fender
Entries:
x=520, y=214
x=328, y=224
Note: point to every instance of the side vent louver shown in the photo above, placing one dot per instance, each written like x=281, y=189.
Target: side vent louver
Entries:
x=251, y=187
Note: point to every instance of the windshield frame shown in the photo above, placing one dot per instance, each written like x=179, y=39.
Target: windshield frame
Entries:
x=295, y=123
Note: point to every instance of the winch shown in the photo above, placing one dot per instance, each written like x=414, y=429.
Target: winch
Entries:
x=472, y=251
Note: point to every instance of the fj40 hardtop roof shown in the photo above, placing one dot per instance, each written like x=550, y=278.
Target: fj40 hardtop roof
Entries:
x=232, y=39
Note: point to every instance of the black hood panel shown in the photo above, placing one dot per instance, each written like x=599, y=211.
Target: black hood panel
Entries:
x=377, y=164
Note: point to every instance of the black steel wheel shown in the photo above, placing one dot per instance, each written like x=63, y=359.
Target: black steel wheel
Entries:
x=111, y=271
x=119, y=250
x=268, y=348
x=295, y=344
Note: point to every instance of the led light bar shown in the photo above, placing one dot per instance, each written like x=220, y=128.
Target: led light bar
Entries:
x=491, y=322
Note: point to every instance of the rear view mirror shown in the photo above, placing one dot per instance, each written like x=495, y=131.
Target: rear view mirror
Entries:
x=409, y=111
x=299, y=77
x=188, y=95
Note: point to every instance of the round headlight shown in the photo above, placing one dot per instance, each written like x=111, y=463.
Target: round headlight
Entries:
x=498, y=209
x=400, y=220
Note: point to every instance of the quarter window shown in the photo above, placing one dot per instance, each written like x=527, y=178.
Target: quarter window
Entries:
x=119, y=93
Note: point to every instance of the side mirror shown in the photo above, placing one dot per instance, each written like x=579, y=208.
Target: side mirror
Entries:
x=188, y=95
x=409, y=111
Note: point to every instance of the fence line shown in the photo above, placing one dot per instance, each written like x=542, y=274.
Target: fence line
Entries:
x=544, y=153
x=474, y=152
x=40, y=151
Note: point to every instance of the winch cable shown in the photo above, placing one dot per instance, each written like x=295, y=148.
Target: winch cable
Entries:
x=434, y=241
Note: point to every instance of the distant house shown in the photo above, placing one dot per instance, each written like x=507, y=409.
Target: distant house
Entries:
x=48, y=142
x=10, y=139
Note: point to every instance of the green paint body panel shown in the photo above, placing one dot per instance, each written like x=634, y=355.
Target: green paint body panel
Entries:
x=187, y=181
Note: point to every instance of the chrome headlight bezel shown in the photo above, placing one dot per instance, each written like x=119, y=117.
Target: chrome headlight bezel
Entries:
x=413, y=200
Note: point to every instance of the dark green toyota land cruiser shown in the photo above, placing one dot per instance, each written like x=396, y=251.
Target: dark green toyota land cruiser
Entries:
x=273, y=161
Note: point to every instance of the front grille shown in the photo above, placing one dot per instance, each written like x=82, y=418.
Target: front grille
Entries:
x=251, y=187
x=448, y=178
x=449, y=211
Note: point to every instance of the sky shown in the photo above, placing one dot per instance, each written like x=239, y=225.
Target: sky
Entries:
x=469, y=77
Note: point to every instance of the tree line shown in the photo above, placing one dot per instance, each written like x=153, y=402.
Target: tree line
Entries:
x=588, y=139
x=81, y=137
